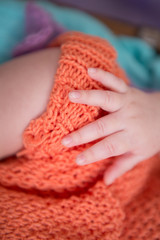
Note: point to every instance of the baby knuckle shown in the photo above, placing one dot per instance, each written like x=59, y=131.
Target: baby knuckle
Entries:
x=110, y=148
x=100, y=127
x=91, y=155
x=107, y=98
x=88, y=95
x=78, y=137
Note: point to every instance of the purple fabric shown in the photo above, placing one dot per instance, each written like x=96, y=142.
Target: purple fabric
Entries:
x=40, y=29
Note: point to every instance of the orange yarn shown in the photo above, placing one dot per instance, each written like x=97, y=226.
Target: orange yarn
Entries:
x=44, y=194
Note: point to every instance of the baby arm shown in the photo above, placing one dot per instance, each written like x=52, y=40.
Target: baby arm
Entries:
x=25, y=86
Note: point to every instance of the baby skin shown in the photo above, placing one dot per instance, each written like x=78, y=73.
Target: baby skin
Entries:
x=25, y=86
x=130, y=129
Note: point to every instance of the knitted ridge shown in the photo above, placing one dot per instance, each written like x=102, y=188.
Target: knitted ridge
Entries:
x=143, y=215
x=44, y=194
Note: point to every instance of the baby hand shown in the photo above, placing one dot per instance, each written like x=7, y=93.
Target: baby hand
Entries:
x=131, y=130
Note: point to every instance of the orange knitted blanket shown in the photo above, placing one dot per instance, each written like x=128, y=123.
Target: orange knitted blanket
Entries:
x=44, y=194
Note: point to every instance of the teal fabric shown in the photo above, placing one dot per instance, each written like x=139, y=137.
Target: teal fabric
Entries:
x=137, y=58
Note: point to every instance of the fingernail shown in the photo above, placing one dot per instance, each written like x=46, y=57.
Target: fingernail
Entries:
x=66, y=141
x=108, y=180
x=81, y=159
x=74, y=94
x=92, y=70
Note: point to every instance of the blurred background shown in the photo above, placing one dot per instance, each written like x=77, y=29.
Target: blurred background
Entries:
x=127, y=17
x=131, y=26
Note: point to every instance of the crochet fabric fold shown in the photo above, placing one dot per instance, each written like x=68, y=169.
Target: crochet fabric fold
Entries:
x=44, y=194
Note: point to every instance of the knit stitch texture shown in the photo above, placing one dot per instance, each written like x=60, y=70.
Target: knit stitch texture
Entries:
x=44, y=194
